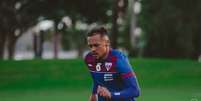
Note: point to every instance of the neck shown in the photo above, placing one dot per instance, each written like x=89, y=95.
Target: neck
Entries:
x=106, y=53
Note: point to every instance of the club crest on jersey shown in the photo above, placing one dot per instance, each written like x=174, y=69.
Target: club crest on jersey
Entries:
x=108, y=65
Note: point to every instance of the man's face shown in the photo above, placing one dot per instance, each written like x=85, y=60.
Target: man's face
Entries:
x=98, y=45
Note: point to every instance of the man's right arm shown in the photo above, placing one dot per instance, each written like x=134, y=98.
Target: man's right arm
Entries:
x=93, y=97
x=95, y=87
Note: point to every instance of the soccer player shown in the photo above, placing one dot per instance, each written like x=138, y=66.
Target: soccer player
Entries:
x=113, y=77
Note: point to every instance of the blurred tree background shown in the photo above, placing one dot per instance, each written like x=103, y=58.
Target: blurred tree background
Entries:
x=142, y=28
x=172, y=28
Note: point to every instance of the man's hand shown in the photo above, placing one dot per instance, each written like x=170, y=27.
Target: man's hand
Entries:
x=102, y=91
x=93, y=97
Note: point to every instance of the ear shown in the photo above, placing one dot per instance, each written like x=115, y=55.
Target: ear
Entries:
x=107, y=42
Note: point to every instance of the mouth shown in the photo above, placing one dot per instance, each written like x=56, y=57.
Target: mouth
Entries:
x=95, y=54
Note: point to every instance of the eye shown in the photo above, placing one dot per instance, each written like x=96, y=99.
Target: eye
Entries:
x=90, y=46
x=94, y=45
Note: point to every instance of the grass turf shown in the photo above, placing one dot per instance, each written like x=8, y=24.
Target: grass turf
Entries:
x=69, y=80
x=148, y=94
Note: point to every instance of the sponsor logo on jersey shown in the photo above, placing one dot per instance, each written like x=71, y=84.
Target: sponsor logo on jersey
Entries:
x=108, y=77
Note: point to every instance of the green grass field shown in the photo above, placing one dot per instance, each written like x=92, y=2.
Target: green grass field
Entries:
x=69, y=80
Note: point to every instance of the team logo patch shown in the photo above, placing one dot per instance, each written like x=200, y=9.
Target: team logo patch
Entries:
x=108, y=65
x=117, y=93
x=90, y=65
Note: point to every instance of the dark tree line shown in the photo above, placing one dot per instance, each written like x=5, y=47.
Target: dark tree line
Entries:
x=17, y=16
x=172, y=28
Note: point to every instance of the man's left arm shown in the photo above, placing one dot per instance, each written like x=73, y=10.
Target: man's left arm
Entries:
x=131, y=87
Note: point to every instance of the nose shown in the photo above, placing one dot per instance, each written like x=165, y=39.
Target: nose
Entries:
x=93, y=49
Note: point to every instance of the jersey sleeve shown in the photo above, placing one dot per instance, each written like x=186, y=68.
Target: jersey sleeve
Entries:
x=95, y=87
x=88, y=59
x=128, y=76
